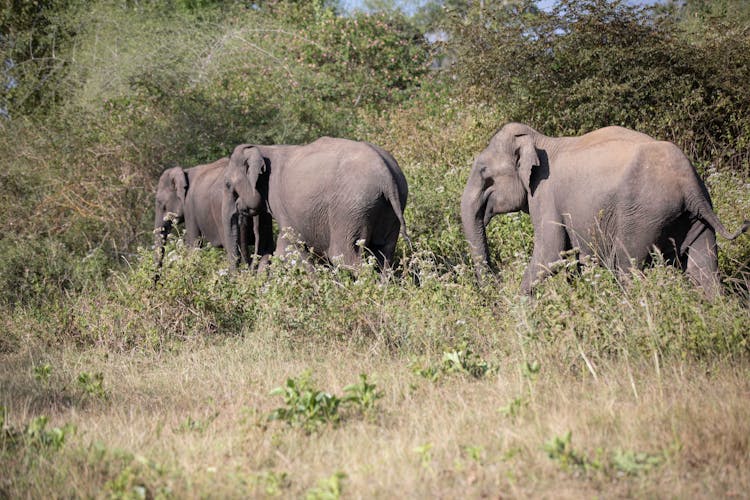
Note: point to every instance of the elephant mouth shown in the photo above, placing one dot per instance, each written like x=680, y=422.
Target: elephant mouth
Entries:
x=487, y=207
x=248, y=212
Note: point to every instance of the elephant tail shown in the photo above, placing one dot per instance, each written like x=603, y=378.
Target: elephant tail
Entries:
x=700, y=206
x=393, y=195
x=394, y=199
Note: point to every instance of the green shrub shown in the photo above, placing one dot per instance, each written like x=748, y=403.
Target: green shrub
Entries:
x=305, y=406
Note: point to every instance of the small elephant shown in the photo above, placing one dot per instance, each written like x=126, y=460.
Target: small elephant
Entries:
x=194, y=196
x=337, y=196
x=613, y=193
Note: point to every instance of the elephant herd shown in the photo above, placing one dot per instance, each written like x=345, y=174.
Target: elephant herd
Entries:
x=614, y=194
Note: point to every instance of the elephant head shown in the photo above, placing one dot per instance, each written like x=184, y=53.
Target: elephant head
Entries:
x=170, y=205
x=241, y=177
x=499, y=182
x=242, y=198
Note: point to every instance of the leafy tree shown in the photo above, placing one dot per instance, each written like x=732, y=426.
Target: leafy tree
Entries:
x=701, y=11
x=32, y=38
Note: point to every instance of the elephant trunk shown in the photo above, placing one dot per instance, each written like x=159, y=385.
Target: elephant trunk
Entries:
x=244, y=237
x=161, y=230
x=248, y=198
x=230, y=223
x=473, y=204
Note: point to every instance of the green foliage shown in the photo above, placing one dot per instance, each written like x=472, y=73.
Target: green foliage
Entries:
x=561, y=450
x=514, y=408
x=327, y=489
x=695, y=14
x=306, y=406
x=191, y=424
x=475, y=453
x=363, y=395
x=35, y=438
x=657, y=309
x=140, y=479
x=40, y=271
x=464, y=360
x=42, y=373
x=33, y=35
x=461, y=360
x=635, y=463
x=92, y=384
x=39, y=436
x=272, y=483
x=424, y=452
x=309, y=408
x=619, y=462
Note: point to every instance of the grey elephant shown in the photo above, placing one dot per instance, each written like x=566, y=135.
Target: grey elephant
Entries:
x=195, y=196
x=336, y=196
x=613, y=193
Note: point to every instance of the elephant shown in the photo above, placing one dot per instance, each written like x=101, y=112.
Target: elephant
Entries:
x=195, y=196
x=614, y=194
x=336, y=196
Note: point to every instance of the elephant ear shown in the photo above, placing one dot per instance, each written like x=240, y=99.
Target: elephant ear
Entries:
x=527, y=159
x=179, y=180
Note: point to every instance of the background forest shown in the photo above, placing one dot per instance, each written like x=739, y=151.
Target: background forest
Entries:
x=416, y=383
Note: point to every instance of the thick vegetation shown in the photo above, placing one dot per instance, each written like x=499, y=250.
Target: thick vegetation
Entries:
x=416, y=381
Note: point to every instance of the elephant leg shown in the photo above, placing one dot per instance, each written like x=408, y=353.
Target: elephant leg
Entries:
x=549, y=242
x=702, y=262
x=384, y=242
x=345, y=255
x=347, y=245
x=384, y=254
x=192, y=233
x=263, y=262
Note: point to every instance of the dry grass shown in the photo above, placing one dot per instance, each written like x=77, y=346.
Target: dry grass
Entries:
x=443, y=438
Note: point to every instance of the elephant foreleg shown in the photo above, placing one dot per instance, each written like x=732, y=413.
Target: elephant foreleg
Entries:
x=549, y=242
x=192, y=233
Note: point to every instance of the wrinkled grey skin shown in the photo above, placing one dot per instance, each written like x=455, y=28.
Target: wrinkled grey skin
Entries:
x=329, y=194
x=612, y=193
x=195, y=197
